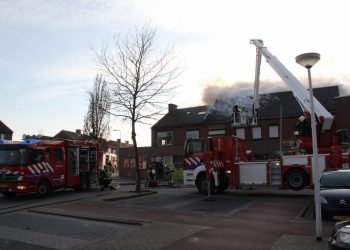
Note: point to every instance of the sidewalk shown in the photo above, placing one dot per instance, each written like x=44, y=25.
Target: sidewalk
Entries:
x=172, y=234
x=152, y=231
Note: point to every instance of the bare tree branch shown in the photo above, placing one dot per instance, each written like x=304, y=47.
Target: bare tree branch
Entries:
x=96, y=122
x=139, y=77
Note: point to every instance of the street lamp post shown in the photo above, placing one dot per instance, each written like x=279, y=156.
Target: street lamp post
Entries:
x=308, y=60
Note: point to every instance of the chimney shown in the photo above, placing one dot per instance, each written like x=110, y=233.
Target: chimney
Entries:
x=78, y=131
x=172, y=107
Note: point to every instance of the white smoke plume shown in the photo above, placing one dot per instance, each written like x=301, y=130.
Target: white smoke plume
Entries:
x=221, y=96
x=219, y=90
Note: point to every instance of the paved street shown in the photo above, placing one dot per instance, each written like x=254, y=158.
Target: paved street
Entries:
x=161, y=218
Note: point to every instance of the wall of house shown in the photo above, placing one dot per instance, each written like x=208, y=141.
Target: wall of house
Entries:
x=5, y=136
x=147, y=155
x=179, y=134
x=342, y=110
x=267, y=146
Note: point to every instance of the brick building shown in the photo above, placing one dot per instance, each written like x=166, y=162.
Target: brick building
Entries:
x=278, y=112
x=5, y=132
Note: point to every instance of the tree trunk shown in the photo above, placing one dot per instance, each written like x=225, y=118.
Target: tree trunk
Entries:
x=137, y=160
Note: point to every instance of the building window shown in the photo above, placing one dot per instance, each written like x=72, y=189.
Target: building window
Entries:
x=2, y=136
x=256, y=132
x=165, y=138
x=240, y=132
x=216, y=132
x=194, y=134
x=273, y=131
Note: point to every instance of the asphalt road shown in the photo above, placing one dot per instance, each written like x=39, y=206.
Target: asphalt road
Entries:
x=163, y=218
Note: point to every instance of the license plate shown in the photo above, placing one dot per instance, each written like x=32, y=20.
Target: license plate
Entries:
x=3, y=186
x=341, y=217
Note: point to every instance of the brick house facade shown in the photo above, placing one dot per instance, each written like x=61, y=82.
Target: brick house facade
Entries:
x=5, y=132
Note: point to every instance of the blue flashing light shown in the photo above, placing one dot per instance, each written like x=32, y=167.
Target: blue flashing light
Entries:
x=30, y=141
x=3, y=141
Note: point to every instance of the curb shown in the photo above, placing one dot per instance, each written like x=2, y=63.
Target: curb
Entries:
x=305, y=209
x=120, y=221
x=130, y=196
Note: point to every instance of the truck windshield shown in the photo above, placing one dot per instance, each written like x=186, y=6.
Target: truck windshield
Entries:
x=13, y=156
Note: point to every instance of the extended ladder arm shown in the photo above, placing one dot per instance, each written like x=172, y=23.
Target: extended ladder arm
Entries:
x=299, y=91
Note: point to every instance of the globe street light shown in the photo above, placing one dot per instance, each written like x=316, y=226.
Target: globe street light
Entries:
x=308, y=60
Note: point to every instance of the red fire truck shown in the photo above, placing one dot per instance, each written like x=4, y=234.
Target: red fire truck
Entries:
x=228, y=163
x=41, y=166
x=223, y=161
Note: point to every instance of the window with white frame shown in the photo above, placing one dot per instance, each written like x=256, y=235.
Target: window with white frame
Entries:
x=256, y=131
x=273, y=131
x=216, y=132
x=165, y=138
x=194, y=134
x=240, y=132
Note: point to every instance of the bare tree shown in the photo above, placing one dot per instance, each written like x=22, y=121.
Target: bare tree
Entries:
x=139, y=76
x=96, y=122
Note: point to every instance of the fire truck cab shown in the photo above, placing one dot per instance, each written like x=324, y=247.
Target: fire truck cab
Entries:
x=41, y=166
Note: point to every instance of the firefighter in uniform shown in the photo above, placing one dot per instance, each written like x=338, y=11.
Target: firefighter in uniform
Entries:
x=150, y=177
x=303, y=126
x=105, y=178
x=170, y=175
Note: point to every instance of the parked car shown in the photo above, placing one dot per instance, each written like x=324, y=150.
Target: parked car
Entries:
x=335, y=194
x=340, y=237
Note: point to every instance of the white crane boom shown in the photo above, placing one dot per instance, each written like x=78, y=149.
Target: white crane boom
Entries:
x=299, y=91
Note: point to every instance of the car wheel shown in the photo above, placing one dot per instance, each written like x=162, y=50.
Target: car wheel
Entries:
x=296, y=179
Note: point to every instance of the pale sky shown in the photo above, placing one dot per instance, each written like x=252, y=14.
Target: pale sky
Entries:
x=47, y=65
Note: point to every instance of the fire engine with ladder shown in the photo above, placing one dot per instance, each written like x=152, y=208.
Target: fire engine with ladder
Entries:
x=41, y=166
x=223, y=161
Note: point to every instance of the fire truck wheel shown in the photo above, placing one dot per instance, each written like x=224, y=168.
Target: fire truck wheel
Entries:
x=44, y=188
x=296, y=179
x=202, y=184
